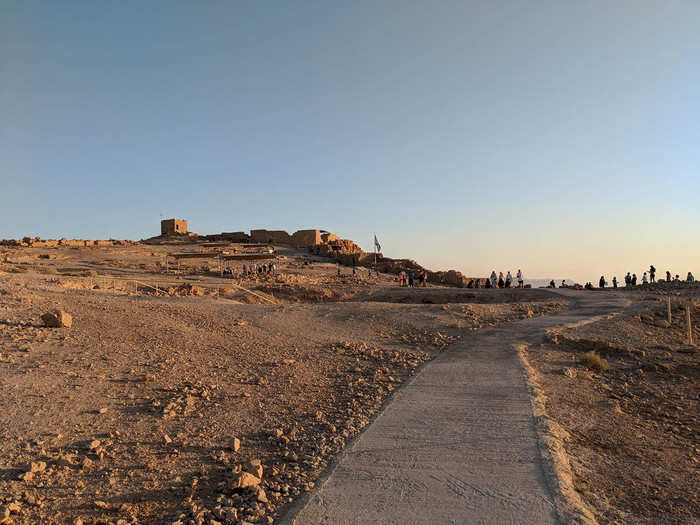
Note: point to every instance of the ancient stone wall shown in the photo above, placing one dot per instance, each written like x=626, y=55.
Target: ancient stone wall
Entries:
x=265, y=236
x=306, y=238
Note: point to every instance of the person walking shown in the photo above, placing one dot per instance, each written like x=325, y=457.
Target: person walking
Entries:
x=519, y=276
x=501, y=282
x=601, y=283
x=652, y=274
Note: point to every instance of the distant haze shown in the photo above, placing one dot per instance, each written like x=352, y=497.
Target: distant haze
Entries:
x=557, y=137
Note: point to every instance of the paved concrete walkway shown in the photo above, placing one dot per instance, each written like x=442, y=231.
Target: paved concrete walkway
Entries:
x=455, y=445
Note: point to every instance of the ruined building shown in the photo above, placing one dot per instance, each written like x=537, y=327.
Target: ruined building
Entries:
x=173, y=226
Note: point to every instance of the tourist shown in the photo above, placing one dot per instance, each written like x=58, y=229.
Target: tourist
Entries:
x=501, y=282
x=488, y=283
x=601, y=283
x=519, y=276
x=628, y=280
x=668, y=276
x=614, y=281
x=634, y=279
x=563, y=283
x=645, y=280
x=677, y=279
x=410, y=279
x=425, y=279
x=652, y=274
x=494, y=279
x=509, y=279
x=690, y=278
x=552, y=284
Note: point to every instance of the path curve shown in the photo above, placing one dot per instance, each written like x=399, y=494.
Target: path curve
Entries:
x=457, y=444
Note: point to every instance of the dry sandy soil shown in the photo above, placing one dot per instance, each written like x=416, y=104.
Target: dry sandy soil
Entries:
x=135, y=413
x=633, y=429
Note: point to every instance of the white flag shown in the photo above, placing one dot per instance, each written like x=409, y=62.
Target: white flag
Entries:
x=376, y=244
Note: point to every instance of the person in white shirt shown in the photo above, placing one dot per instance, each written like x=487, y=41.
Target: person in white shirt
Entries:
x=519, y=276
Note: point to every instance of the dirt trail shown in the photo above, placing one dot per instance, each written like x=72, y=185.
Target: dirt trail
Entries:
x=458, y=444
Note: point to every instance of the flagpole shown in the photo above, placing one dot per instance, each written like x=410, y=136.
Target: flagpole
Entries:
x=375, y=252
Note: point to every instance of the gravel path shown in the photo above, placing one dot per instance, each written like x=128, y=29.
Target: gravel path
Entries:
x=456, y=445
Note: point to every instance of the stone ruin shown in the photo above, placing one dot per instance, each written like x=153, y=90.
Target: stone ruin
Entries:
x=38, y=242
x=173, y=227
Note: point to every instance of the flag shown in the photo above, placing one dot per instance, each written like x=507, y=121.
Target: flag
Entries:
x=377, y=246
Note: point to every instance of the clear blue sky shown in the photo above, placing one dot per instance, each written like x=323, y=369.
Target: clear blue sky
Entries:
x=560, y=137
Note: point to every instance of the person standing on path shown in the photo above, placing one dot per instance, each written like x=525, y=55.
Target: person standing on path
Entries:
x=652, y=274
x=614, y=281
x=645, y=280
x=634, y=279
x=494, y=279
x=509, y=279
x=668, y=276
x=601, y=283
x=519, y=276
x=628, y=280
x=501, y=282
x=690, y=278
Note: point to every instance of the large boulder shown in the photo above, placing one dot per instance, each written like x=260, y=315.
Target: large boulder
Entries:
x=57, y=319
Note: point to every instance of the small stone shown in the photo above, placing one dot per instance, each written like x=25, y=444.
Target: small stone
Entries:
x=236, y=445
x=87, y=463
x=244, y=480
x=39, y=466
x=260, y=495
x=94, y=444
x=254, y=466
x=102, y=410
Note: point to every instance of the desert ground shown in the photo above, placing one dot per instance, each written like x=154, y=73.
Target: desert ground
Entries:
x=180, y=396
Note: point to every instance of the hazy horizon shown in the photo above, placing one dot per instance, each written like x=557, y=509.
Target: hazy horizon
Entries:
x=558, y=138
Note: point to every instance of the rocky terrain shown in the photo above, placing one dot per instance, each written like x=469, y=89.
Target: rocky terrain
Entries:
x=625, y=392
x=181, y=397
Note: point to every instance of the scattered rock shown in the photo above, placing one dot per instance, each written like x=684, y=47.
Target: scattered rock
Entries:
x=244, y=480
x=57, y=319
x=38, y=466
x=236, y=444
x=254, y=466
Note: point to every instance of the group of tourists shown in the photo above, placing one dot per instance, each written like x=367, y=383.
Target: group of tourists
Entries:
x=255, y=270
x=413, y=279
x=499, y=281
x=648, y=277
